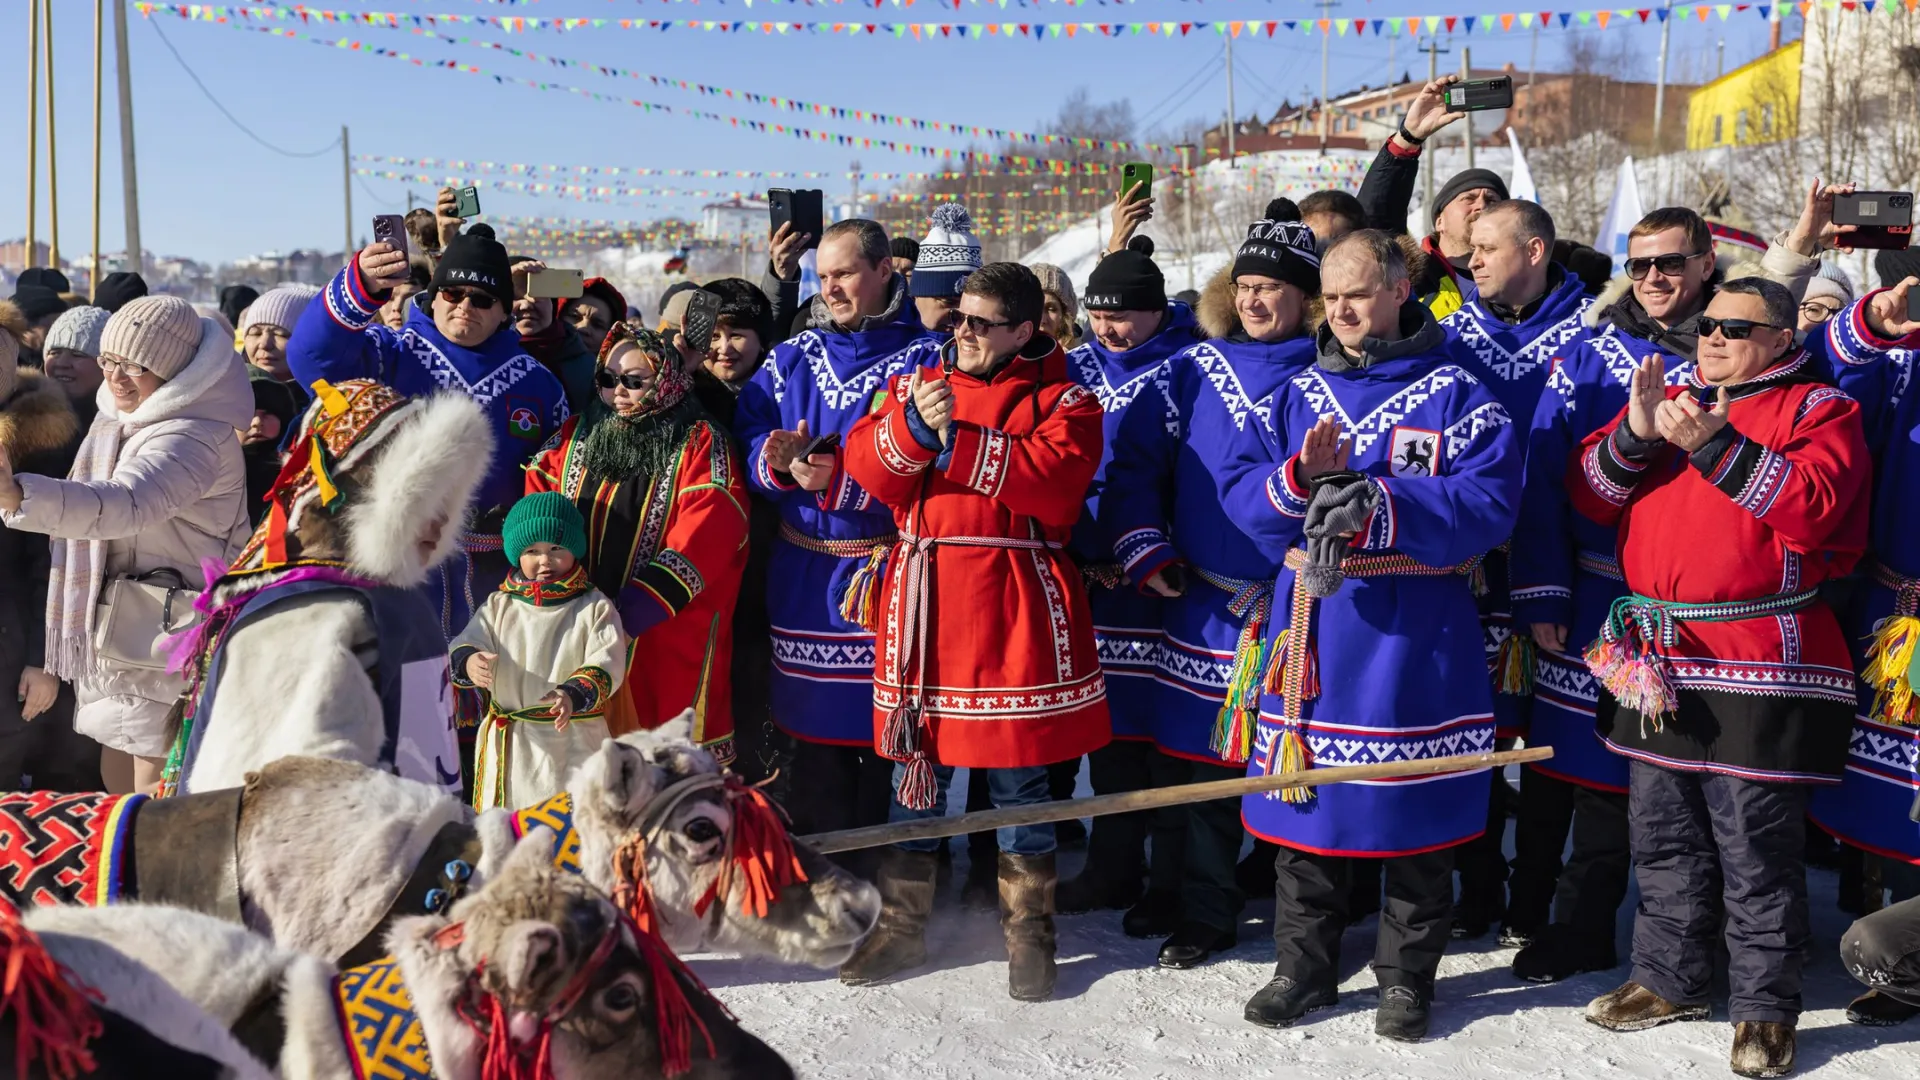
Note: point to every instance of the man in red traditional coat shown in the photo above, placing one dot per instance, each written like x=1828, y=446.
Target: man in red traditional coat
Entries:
x=986, y=654
x=1735, y=494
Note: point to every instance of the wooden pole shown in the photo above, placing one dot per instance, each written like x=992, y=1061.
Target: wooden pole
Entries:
x=33, y=128
x=129, y=173
x=1154, y=798
x=346, y=188
x=53, y=159
x=99, y=90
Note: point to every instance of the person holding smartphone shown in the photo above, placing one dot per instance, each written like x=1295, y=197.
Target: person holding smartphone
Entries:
x=550, y=339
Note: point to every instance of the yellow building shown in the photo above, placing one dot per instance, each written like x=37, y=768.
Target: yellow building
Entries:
x=1757, y=102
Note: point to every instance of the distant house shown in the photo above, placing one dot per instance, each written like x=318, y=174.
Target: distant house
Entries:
x=733, y=220
x=1757, y=102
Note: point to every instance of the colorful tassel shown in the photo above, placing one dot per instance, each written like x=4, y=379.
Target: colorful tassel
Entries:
x=1233, y=725
x=1888, y=661
x=1277, y=664
x=1287, y=753
x=1513, y=665
x=898, y=736
x=917, y=786
x=1638, y=681
x=860, y=599
x=53, y=1016
x=760, y=854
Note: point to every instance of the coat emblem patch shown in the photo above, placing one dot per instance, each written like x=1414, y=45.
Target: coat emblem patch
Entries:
x=1415, y=452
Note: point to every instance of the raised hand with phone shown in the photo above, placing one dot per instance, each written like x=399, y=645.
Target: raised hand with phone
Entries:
x=799, y=454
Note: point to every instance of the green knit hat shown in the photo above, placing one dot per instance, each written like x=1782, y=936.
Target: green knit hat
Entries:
x=546, y=518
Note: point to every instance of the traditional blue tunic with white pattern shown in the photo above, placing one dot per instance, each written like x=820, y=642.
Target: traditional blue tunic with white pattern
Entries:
x=1173, y=443
x=822, y=688
x=1513, y=360
x=1396, y=651
x=1126, y=622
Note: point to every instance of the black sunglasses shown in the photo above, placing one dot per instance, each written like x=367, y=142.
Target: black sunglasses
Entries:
x=1669, y=265
x=608, y=380
x=978, y=325
x=479, y=301
x=1733, y=329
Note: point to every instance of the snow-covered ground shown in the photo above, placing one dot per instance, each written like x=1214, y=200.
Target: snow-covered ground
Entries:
x=1115, y=1016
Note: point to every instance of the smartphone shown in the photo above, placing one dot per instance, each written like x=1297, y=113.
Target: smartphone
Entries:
x=1884, y=219
x=1479, y=95
x=805, y=208
x=468, y=205
x=555, y=284
x=825, y=444
x=391, y=229
x=1137, y=172
x=696, y=326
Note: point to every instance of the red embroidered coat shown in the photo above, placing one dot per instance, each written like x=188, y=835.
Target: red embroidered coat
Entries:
x=984, y=618
x=682, y=541
x=1781, y=507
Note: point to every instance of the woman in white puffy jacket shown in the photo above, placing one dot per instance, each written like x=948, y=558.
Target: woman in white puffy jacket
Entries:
x=159, y=484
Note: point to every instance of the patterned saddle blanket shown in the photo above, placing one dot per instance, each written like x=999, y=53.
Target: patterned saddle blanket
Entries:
x=379, y=1025
x=556, y=814
x=64, y=849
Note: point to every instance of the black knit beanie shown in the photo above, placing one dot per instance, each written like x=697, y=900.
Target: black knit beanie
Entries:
x=475, y=260
x=1280, y=247
x=743, y=305
x=234, y=300
x=37, y=302
x=45, y=277
x=903, y=247
x=1467, y=180
x=119, y=289
x=1127, y=281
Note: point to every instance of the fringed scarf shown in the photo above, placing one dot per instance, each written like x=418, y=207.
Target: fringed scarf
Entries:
x=79, y=565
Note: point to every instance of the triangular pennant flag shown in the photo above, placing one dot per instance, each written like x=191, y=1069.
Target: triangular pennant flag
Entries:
x=1506, y=23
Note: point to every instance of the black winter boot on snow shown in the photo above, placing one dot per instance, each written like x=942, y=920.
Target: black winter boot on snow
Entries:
x=1156, y=915
x=1403, y=1014
x=1194, y=944
x=1875, y=1009
x=1561, y=952
x=1284, y=1000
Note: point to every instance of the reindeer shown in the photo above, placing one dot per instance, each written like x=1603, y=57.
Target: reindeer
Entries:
x=535, y=969
x=321, y=855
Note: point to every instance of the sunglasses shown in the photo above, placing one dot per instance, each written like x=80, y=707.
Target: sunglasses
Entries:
x=1668, y=265
x=978, y=325
x=608, y=380
x=474, y=298
x=1733, y=329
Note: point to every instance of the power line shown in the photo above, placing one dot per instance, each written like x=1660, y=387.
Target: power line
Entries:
x=247, y=131
x=388, y=203
x=1206, y=66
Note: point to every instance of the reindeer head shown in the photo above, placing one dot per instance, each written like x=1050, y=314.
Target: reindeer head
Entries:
x=659, y=789
x=540, y=965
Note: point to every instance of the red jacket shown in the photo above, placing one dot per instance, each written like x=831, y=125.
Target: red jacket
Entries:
x=1004, y=664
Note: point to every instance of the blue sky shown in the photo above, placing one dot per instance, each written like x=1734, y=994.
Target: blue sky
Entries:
x=210, y=192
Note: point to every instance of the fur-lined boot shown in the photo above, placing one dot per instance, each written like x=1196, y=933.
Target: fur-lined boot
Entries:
x=899, y=939
x=1026, y=916
x=1762, y=1048
x=1635, y=1008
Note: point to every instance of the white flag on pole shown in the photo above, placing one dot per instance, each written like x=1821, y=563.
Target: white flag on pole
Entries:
x=1623, y=213
x=1521, y=186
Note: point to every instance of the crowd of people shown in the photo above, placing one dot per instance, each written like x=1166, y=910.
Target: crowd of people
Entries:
x=1368, y=498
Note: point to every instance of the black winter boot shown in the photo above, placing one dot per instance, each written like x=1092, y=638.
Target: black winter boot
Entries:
x=1156, y=915
x=1284, y=1000
x=1561, y=952
x=1403, y=1014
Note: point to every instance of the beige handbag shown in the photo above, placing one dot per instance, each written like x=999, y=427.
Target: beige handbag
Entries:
x=138, y=614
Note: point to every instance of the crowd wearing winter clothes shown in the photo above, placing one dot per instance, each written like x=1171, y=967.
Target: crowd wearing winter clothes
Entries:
x=1364, y=498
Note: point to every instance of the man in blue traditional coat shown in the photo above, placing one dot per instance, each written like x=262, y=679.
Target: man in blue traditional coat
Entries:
x=1135, y=329
x=823, y=579
x=1407, y=470
x=1173, y=440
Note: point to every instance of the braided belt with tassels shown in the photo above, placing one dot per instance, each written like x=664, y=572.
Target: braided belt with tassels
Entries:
x=860, y=601
x=1638, y=678
x=1889, y=661
x=903, y=736
x=1252, y=602
x=1293, y=672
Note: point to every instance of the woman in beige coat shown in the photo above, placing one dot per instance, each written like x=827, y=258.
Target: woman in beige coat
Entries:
x=159, y=484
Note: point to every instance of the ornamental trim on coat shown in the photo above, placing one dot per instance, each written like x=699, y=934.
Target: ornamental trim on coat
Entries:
x=1462, y=433
x=1057, y=618
x=1226, y=382
x=1467, y=325
x=849, y=652
x=835, y=392
x=1091, y=375
x=999, y=702
x=1352, y=745
x=1371, y=427
x=1131, y=651
x=1895, y=750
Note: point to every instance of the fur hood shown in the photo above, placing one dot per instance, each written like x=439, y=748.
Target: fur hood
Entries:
x=421, y=464
x=213, y=387
x=37, y=419
x=1214, y=311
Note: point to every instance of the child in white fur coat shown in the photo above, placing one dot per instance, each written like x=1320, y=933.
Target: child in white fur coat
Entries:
x=550, y=648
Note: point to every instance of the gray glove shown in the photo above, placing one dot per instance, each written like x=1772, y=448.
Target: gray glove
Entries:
x=1340, y=505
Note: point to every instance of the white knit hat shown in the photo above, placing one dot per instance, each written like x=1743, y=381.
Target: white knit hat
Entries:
x=949, y=253
x=160, y=333
x=279, y=306
x=1830, y=282
x=78, y=330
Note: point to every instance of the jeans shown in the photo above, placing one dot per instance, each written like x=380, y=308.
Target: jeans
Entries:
x=1023, y=786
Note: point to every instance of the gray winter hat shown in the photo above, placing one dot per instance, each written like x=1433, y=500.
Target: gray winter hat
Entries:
x=279, y=306
x=78, y=330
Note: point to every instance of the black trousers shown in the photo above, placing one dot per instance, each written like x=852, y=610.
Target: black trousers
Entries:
x=1587, y=892
x=45, y=753
x=1883, y=951
x=1116, y=845
x=1482, y=862
x=1196, y=847
x=838, y=787
x=1310, y=912
x=1703, y=842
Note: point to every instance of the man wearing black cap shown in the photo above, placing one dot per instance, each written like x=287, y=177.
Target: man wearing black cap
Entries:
x=458, y=336
x=119, y=289
x=906, y=252
x=1135, y=330
x=1174, y=439
x=41, y=305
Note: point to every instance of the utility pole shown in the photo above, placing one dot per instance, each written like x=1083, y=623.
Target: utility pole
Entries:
x=33, y=125
x=1721, y=57
x=53, y=159
x=1533, y=59
x=129, y=179
x=1326, y=114
x=1660, y=83
x=99, y=91
x=1433, y=72
x=853, y=174
x=1232, y=122
x=346, y=188
x=1186, y=204
x=1466, y=118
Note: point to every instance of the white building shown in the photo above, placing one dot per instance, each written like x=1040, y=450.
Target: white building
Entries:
x=733, y=220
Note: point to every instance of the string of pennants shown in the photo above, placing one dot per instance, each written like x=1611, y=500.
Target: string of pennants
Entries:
x=627, y=191
x=1489, y=22
x=1317, y=167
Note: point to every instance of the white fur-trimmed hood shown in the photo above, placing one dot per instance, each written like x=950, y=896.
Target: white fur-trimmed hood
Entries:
x=213, y=387
x=428, y=470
